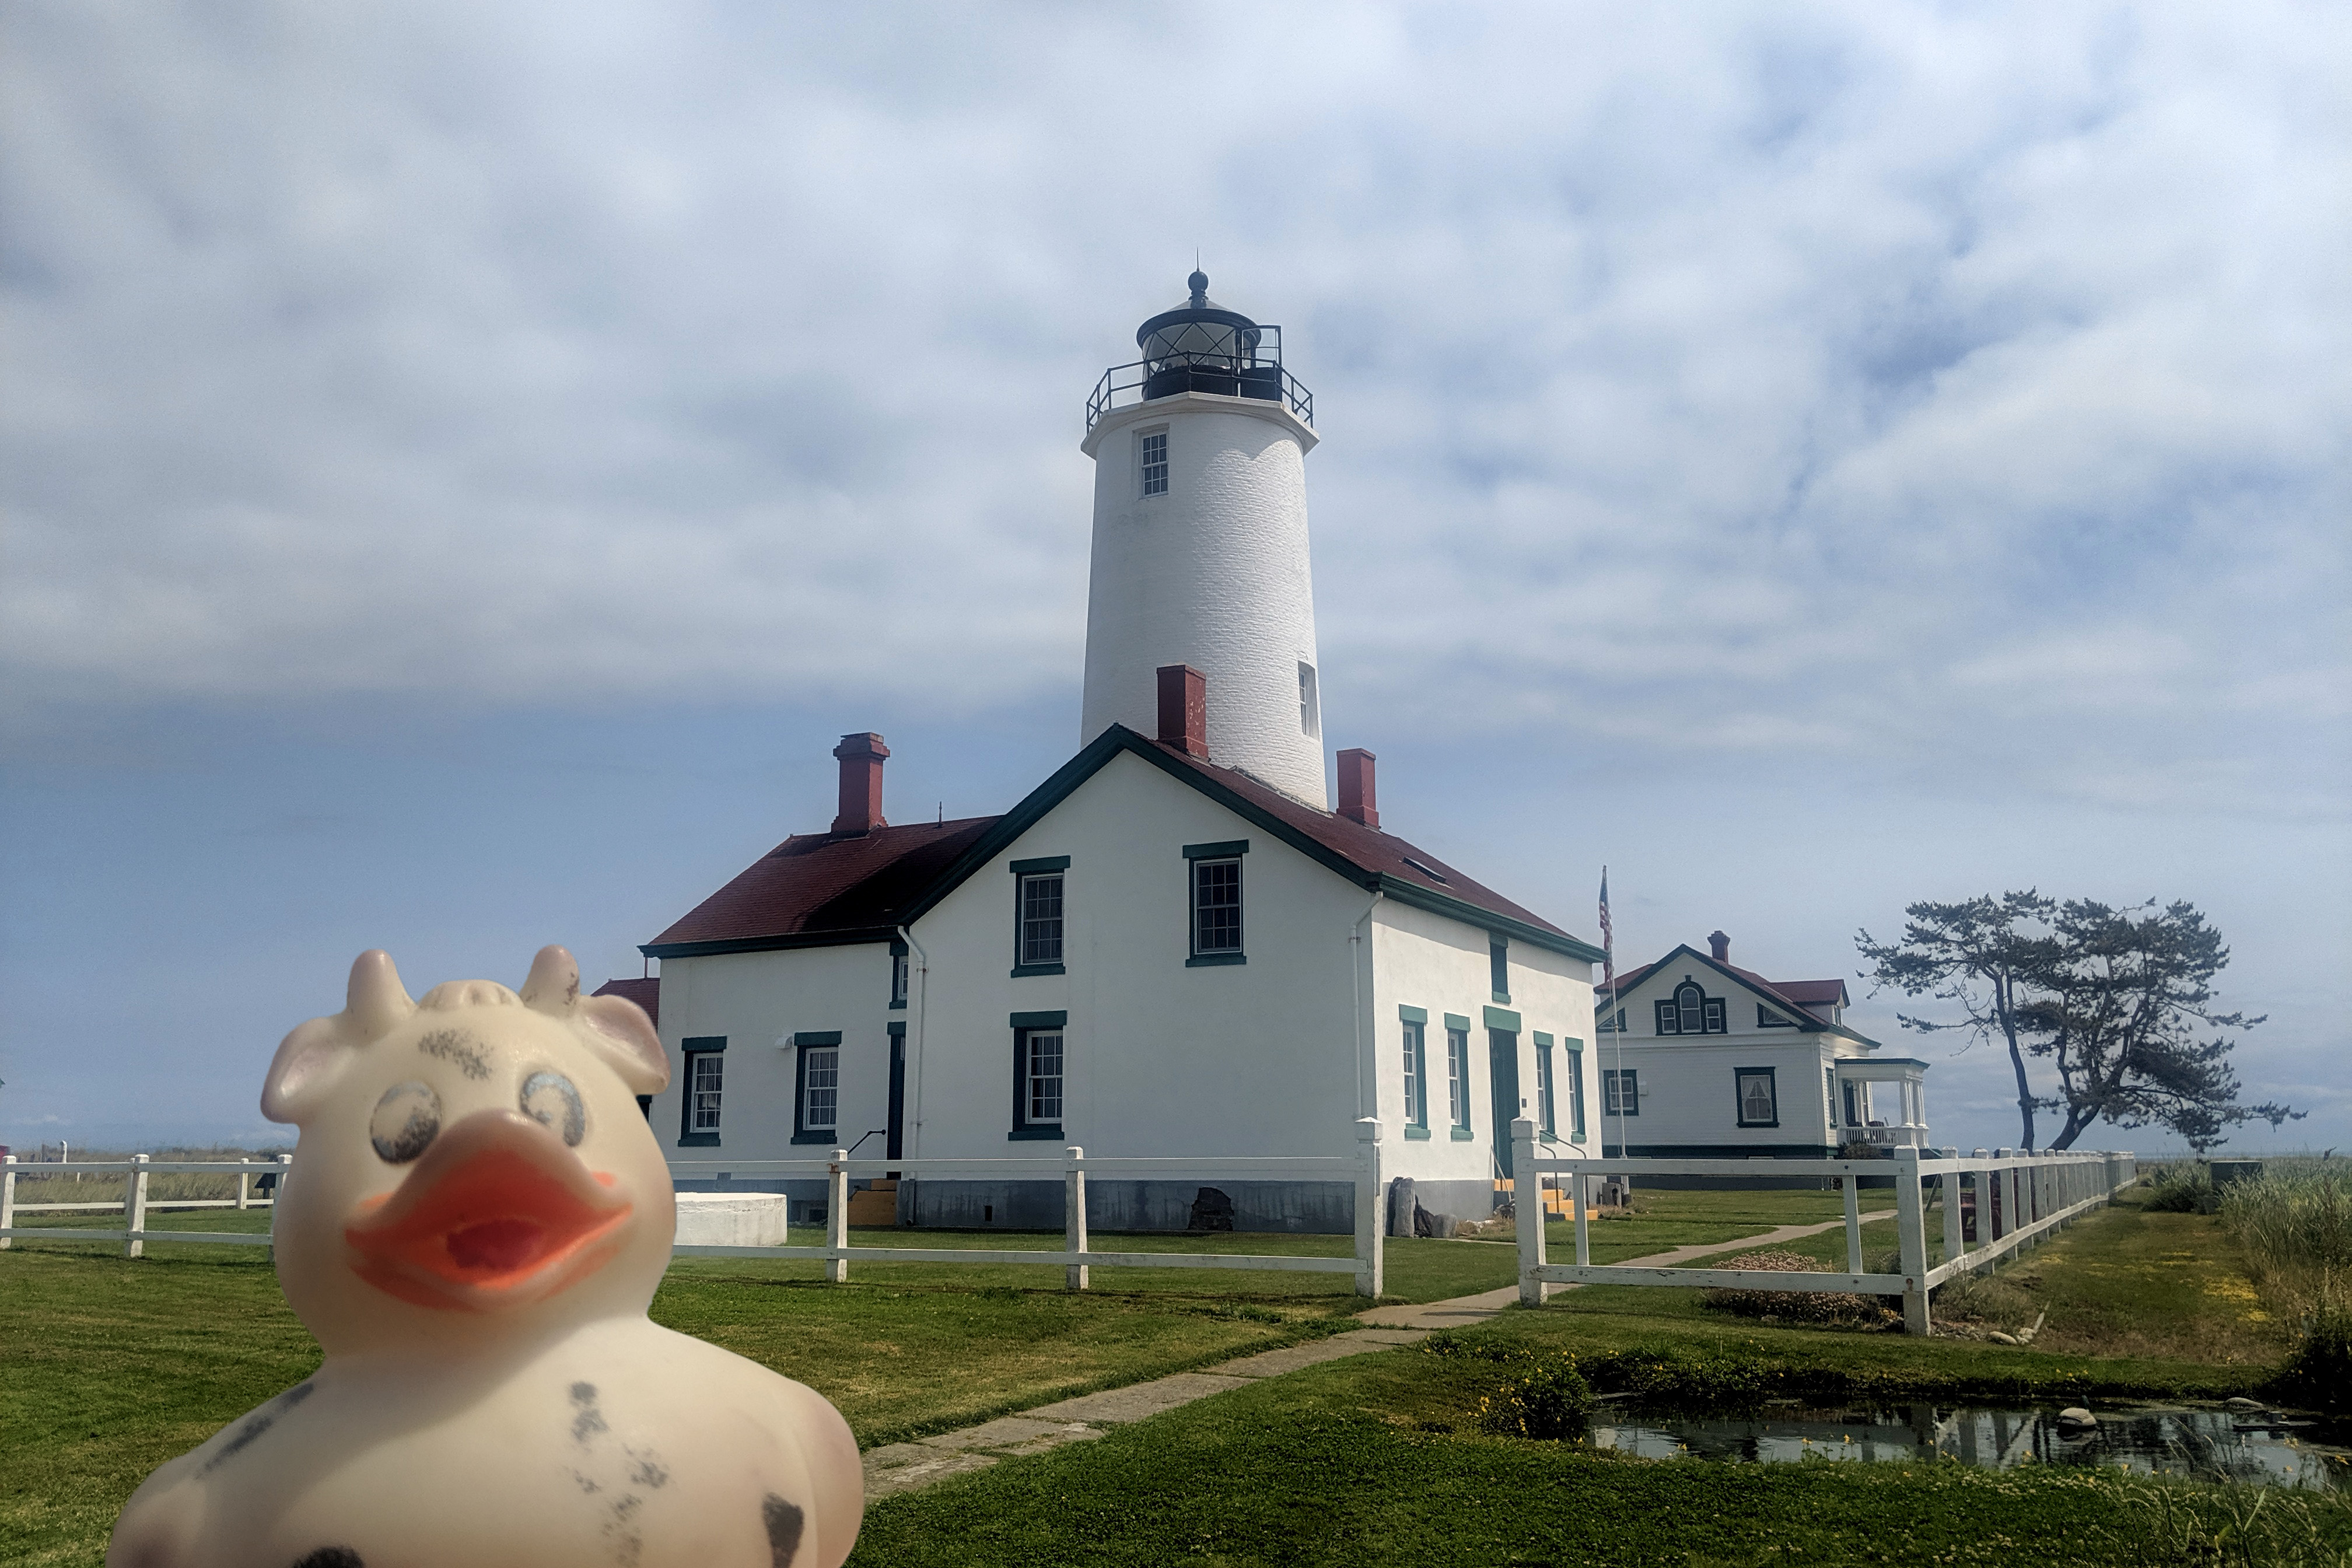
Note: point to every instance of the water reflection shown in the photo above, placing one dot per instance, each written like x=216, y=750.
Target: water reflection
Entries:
x=2213, y=1444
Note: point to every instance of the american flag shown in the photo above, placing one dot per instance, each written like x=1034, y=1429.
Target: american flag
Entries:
x=1608, y=946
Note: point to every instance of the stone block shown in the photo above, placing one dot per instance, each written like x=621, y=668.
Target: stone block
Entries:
x=730, y=1219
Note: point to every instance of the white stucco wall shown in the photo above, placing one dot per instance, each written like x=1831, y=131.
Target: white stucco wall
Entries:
x=1250, y=1058
x=1213, y=574
x=1441, y=966
x=757, y=1000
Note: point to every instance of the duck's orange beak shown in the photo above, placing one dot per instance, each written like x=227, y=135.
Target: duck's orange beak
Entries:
x=497, y=1213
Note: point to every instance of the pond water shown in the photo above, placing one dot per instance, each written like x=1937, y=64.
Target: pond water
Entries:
x=2215, y=1445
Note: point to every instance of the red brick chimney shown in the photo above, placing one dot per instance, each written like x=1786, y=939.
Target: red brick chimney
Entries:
x=861, y=783
x=1722, y=945
x=1184, y=709
x=1356, y=798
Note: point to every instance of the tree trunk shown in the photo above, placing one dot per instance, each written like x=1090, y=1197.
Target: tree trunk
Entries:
x=2003, y=1002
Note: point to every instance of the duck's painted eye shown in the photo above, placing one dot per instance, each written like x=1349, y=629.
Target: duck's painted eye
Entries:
x=549, y=1099
x=406, y=1121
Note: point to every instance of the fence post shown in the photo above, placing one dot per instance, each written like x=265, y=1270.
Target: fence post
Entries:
x=244, y=1185
x=1370, y=1231
x=1074, y=1217
x=1581, y=1199
x=837, y=1216
x=1853, y=1185
x=1526, y=1182
x=1911, y=1221
x=7, y=1198
x=135, y=1208
x=1954, y=1242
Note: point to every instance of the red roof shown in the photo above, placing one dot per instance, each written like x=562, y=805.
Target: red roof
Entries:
x=820, y=885
x=817, y=887
x=645, y=993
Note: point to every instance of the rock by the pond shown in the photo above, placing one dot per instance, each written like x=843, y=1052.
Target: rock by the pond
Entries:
x=2076, y=1418
x=1998, y=1338
x=2239, y=1401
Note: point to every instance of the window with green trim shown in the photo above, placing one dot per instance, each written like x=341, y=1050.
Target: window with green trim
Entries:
x=1458, y=1075
x=1216, y=906
x=1416, y=1078
x=1544, y=1093
x=1498, y=966
x=1576, y=1094
x=1041, y=919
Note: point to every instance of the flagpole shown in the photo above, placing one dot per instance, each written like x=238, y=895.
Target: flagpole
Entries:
x=1616, y=1021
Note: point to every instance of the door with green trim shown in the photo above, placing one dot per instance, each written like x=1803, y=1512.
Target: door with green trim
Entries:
x=1503, y=1079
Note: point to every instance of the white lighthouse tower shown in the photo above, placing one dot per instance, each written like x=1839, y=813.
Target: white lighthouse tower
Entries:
x=1200, y=542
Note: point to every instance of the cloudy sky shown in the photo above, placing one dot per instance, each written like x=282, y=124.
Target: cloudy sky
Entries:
x=464, y=465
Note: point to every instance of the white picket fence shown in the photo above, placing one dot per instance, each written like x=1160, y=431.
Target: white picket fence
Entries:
x=134, y=1205
x=2018, y=1200
x=1072, y=1166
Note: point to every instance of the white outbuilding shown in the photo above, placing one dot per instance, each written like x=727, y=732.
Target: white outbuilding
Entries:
x=1702, y=1059
x=1172, y=947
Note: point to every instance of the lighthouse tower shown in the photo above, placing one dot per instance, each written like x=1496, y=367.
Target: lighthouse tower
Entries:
x=1200, y=542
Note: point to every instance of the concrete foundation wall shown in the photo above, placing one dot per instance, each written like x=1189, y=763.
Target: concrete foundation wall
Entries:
x=1308, y=1209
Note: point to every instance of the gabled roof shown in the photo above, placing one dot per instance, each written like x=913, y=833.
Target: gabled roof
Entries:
x=1797, y=998
x=645, y=993
x=819, y=889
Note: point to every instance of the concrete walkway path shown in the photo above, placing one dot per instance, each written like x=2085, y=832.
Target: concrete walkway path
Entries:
x=904, y=1466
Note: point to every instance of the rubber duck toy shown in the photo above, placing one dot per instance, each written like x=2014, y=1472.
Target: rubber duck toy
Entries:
x=474, y=1223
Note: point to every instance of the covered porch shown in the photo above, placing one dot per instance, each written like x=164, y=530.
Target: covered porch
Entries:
x=1881, y=1101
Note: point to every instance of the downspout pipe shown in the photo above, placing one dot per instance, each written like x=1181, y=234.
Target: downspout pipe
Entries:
x=922, y=989
x=1367, y=1091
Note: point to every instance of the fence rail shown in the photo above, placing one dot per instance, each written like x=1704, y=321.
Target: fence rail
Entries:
x=1076, y=1257
x=1994, y=1203
x=134, y=1205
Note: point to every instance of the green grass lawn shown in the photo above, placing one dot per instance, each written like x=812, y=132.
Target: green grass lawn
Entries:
x=1371, y=1461
x=109, y=1366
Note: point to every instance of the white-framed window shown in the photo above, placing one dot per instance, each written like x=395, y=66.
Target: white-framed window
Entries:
x=1153, y=450
x=1216, y=906
x=706, y=1081
x=1828, y=1095
x=1620, y=1091
x=820, y=1089
x=1310, y=706
x=1041, y=1077
x=1767, y=1019
x=1690, y=1011
x=900, y=968
x=1458, y=1075
x=1416, y=1078
x=1041, y=919
x=1759, y=1104
x=1576, y=1095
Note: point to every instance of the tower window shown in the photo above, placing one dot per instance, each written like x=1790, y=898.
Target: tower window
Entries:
x=1155, y=463
x=1310, y=716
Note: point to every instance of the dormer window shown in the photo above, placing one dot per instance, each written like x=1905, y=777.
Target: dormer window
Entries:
x=1691, y=1010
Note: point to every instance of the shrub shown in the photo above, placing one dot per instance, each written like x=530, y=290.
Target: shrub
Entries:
x=1548, y=1400
x=2183, y=1188
x=2297, y=1228
x=1793, y=1306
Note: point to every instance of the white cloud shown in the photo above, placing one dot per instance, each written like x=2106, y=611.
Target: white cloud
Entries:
x=1878, y=375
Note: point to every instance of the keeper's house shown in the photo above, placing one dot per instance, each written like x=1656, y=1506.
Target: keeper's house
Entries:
x=1700, y=1059
x=1172, y=947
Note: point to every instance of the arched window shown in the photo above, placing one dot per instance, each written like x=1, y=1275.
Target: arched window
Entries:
x=1691, y=1003
x=1691, y=1010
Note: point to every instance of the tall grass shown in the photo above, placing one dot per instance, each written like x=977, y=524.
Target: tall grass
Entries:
x=163, y=1188
x=2295, y=1226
